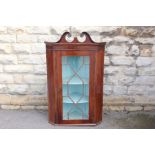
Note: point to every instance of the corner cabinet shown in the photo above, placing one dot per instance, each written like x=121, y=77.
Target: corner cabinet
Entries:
x=75, y=80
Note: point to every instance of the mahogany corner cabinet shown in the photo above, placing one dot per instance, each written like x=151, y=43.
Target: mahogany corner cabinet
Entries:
x=75, y=71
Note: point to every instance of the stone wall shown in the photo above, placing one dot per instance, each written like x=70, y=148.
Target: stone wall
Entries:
x=129, y=82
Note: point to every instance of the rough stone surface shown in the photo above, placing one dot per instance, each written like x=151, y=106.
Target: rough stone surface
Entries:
x=6, y=78
x=35, y=79
x=12, y=107
x=41, y=107
x=146, y=71
x=129, y=82
x=122, y=60
x=20, y=48
x=145, y=80
x=134, y=50
x=120, y=90
x=18, y=89
x=145, y=50
x=32, y=59
x=117, y=50
x=146, y=40
x=144, y=61
x=5, y=48
x=7, y=38
x=5, y=99
x=1, y=68
x=27, y=107
x=149, y=108
x=18, y=68
x=116, y=108
x=25, y=38
x=40, y=69
x=138, y=90
x=8, y=59
x=118, y=100
x=133, y=108
x=106, y=60
x=108, y=89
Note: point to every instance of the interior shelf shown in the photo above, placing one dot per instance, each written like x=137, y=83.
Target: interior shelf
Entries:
x=75, y=97
x=76, y=81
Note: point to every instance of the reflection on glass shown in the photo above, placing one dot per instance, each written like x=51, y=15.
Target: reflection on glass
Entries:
x=75, y=77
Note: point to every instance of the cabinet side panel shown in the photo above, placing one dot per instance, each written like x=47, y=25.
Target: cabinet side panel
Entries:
x=51, y=85
x=99, y=71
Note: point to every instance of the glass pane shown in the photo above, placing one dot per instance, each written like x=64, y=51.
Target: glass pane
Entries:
x=75, y=78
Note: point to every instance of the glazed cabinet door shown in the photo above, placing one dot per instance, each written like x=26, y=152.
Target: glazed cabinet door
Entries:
x=76, y=89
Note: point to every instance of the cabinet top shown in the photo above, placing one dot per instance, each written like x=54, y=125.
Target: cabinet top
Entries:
x=83, y=39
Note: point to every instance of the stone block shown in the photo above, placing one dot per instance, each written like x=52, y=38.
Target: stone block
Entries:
x=16, y=89
x=149, y=108
x=1, y=68
x=18, y=78
x=41, y=107
x=144, y=80
x=48, y=38
x=37, y=29
x=111, y=70
x=145, y=40
x=35, y=79
x=145, y=50
x=26, y=107
x=7, y=38
x=130, y=70
x=151, y=91
x=120, y=90
x=138, y=90
x=144, y=100
x=144, y=61
x=27, y=100
x=117, y=49
x=40, y=69
x=92, y=30
x=118, y=100
x=32, y=59
x=130, y=31
x=116, y=108
x=3, y=88
x=38, y=89
x=38, y=48
x=153, y=50
x=16, y=30
x=10, y=107
x=8, y=59
x=133, y=108
x=3, y=30
x=20, y=48
x=59, y=30
x=18, y=68
x=122, y=39
x=108, y=89
x=122, y=60
x=5, y=99
x=146, y=71
x=5, y=48
x=106, y=60
x=120, y=79
x=6, y=78
x=25, y=38
x=134, y=51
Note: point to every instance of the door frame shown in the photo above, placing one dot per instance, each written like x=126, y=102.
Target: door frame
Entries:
x=91, y=85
